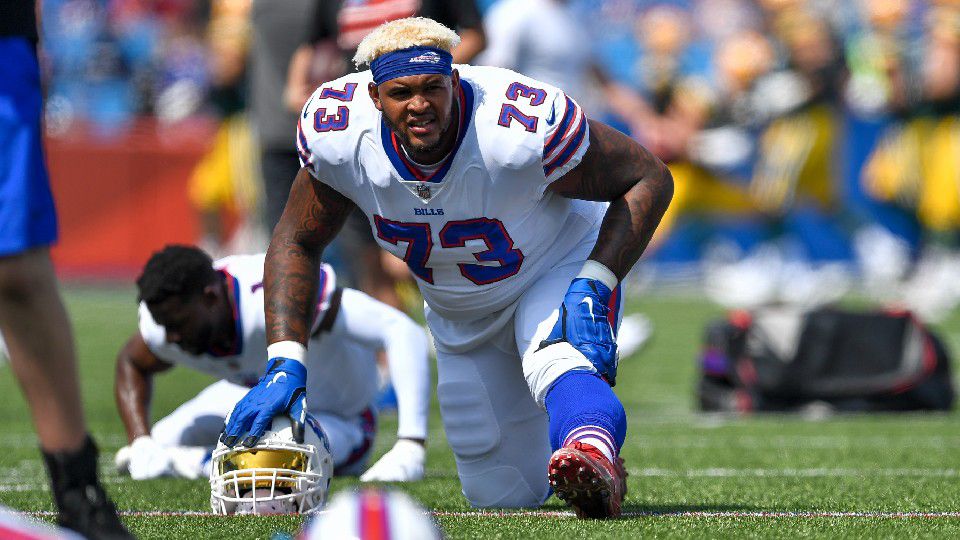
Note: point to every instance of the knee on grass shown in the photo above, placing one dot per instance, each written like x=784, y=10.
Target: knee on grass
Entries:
x=503, y=487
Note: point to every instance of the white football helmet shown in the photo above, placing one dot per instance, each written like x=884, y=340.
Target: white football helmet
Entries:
x=372, y=513
x=277, y=476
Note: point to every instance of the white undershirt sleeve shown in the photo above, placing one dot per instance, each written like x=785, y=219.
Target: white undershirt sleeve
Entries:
x=405, y=343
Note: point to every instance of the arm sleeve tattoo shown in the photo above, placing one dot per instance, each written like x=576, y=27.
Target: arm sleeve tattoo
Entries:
x=639, y=187
x=313, y=216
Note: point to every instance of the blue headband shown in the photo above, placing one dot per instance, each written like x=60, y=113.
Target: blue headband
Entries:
x=417, y=60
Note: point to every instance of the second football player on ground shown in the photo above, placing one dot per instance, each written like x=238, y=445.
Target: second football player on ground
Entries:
x=209, y=316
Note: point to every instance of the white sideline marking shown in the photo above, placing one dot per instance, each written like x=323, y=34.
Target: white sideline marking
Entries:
x=725, y=514
x=653, y=472
x=43, y=487
x=137, y=513
x=794, y=441
x=5, y=488
x=29, y=440
x=565, y=514
x=817, y=472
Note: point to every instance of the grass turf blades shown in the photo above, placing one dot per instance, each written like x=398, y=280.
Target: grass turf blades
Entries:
x=691, y=475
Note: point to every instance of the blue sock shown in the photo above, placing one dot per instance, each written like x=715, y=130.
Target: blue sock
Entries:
x=582, y=401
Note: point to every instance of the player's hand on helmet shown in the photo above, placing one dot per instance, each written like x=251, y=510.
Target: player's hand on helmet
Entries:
x=281, y=390
x=144, y=459
x=584, y=323
x=403, y=463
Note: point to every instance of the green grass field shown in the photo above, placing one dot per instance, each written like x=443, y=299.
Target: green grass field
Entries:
x=690, y=475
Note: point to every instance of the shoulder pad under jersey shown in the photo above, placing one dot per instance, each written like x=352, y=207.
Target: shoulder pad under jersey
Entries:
x=522, y=121
x=332, y=122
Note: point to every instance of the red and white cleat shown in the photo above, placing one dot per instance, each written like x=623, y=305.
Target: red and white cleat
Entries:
x=585, y=479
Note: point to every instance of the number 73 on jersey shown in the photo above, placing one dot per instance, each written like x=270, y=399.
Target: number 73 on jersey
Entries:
x=497, y=262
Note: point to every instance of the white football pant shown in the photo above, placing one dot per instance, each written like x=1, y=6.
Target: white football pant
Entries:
x=491, y=395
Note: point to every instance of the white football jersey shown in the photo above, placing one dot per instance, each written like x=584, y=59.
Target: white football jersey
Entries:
x=341, y=371
x=482, y=227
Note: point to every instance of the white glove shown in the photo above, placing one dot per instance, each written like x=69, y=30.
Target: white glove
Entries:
x=403, y=463
x=148, y=459
x=122, y=460
x=189, y=461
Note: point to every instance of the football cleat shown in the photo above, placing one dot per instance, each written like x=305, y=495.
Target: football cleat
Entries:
x=586, y=480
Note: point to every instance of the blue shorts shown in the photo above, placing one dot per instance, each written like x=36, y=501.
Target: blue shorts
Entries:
x=27, y=214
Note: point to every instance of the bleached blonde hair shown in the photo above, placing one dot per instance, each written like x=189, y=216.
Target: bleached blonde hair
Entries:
x=403, y=34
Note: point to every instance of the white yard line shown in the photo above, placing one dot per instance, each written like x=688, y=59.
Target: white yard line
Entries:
x=29, y=440
x=41, y=484
x=19, y=486
x=714, y=440
x=817, y=472
x=772, y=472
x=137, y=513
x=725, y=514
x=561, y=514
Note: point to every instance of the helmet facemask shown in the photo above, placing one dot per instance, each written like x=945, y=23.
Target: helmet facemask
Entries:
x=276, y=476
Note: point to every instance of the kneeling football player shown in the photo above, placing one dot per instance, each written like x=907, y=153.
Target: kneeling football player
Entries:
x=518, y=216
x=209, y=316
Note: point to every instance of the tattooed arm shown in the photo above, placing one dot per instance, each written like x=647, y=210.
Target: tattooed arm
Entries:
x=639, y=187
x=313, y=216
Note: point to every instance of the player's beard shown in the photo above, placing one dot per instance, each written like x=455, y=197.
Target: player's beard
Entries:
x=421, y=148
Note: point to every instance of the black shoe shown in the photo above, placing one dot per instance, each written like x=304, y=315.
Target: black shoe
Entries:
x=82, y=504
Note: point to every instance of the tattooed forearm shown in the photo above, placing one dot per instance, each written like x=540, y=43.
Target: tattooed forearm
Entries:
x=630, y=223
x=312, y=217
x=638, y=185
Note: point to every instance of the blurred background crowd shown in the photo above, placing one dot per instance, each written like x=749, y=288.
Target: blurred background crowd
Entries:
x=815, y=144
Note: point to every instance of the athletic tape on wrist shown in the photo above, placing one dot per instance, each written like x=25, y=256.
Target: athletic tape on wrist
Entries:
x=598, y=271
x=287, y=349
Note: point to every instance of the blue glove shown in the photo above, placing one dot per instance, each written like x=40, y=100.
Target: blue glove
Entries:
x=584, y=324
x=281, y=390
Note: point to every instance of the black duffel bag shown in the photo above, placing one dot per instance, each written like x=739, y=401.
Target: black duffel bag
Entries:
x=781, y=359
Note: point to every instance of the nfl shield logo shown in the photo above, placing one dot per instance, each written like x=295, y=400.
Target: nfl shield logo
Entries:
x=423, y=191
